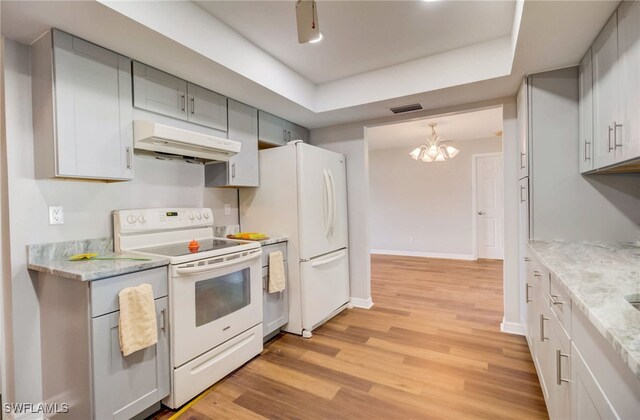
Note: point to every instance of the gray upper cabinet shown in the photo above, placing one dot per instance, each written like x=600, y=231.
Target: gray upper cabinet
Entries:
x=162, y=93
x=628, y=136
x=276, y=131
x=82, y=112
x=585, y=80
x=242, y=169
x=297, y=132
x=271, y=129
x=207, y=107
x=159, y=92
x=605, y=101
x=616, y=90
x=523, y=130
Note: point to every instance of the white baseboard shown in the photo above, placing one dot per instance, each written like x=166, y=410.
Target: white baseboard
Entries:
x=511, y=327
x=362, y=303
x=467, y=257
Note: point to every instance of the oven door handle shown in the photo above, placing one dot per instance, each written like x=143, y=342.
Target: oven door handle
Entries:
x=209, y=267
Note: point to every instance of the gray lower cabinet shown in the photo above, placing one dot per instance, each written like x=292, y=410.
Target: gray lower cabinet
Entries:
x=165, y=94
x=126, y=386
x=82, y=112
x=81, y=359
x=242, y=169
x=275, y=305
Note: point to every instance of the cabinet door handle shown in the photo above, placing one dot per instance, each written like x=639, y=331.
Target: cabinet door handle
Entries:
x=233, y=170
x=163, y=318
x=129, y=160
x=182, y=102
x=615, y=135
x=522, y=166
x=265, y=281
x=587, y=146
x=542, y=319
x=554, y=301
x=522, y=199
x=559, y=356
x=536, y=273
x=193, y=105
x=289, y=135
x=526, y=292
x=609, y=145
x=284, y=135
x=527, y=259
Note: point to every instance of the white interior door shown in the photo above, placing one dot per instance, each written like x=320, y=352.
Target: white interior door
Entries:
x=489, y=206
x=322, y=201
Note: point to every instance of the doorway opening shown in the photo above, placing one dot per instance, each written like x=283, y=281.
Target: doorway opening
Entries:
x=438, y=207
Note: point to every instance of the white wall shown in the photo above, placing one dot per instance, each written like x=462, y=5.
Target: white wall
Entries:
x=349, y=140
x=87, y=207
x=424, y=208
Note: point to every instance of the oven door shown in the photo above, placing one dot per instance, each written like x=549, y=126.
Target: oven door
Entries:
x=213, y=300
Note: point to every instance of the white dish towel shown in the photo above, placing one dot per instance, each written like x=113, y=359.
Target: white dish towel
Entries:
x=137, y=323
x=277, y=281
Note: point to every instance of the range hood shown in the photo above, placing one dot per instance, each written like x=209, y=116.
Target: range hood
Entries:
x=166, y=141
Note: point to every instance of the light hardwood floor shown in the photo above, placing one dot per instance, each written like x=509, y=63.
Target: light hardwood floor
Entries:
x=431, y=347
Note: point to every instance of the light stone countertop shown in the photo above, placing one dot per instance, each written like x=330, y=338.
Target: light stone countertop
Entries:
x=53, y=258
x=274, y=239
x=598, y=276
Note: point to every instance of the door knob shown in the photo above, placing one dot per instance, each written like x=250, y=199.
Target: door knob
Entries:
x=480, y=213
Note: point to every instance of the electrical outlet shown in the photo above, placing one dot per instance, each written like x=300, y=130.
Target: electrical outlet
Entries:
x=56, y=215
x=227, y=209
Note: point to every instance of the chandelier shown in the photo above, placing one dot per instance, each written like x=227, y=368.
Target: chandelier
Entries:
x=435, y=149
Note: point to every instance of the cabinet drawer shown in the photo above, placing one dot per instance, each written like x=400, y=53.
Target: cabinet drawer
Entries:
x=267, y=249
x=104, y=293
x=559, y=302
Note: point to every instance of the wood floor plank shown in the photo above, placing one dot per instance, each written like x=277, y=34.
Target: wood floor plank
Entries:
x=430, y=348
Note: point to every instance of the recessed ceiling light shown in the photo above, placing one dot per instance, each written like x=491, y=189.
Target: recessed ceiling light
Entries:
x=318, y=39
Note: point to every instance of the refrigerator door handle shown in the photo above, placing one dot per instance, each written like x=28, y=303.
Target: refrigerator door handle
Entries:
x=327, y=217
x=329, y=260
x=334, y=209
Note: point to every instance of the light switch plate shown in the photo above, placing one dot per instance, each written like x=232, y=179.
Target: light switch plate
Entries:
x=56, y=215
x=227, y=209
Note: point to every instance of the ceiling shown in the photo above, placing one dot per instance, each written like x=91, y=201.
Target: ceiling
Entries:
x=361, y=36
x=341, y=81
x=459, y=127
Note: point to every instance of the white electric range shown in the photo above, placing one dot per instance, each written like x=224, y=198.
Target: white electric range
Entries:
x=215, y=293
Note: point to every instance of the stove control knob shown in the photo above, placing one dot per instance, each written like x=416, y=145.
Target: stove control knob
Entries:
x=199, y=216
x=206, y=215
x=190, y=216
x=131, y=219
x=142, y=219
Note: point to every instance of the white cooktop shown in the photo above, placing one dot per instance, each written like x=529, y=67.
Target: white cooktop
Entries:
x=167, y=232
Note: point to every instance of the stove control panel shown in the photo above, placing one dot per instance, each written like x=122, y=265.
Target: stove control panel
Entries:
x=140, y=220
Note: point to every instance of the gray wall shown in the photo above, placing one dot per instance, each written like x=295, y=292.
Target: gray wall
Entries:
x=87, y=207
x=419, y=207
x=564, y=204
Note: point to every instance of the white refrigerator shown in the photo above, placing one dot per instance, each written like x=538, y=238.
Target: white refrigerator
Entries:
x=303, y=194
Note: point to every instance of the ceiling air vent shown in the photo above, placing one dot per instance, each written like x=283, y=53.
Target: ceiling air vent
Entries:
x=406, y=108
